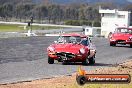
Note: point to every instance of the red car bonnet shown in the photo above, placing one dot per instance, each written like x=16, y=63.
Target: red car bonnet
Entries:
x=123, y=36
x=68, y=47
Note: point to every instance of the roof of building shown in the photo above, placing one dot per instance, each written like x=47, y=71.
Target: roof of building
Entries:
x=112, y=11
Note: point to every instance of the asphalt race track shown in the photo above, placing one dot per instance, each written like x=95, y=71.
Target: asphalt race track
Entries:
x=23, y=59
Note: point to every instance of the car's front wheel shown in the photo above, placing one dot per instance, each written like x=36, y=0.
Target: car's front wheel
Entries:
x=50, y=60
x=112, y=44
x=130, y=45
x=85, y=62
x=91, y=60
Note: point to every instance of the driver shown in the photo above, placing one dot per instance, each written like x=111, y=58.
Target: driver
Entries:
x=84, y=41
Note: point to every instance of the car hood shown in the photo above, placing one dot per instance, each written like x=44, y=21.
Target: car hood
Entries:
x=121, y=36
x=68, y=47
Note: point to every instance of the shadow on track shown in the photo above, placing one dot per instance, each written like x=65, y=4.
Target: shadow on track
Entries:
x=96, y=64
x=122, y=46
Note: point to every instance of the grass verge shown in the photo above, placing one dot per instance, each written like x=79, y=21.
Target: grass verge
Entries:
x=20, y=28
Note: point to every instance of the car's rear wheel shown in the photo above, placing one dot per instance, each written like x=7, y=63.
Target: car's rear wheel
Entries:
x=112, y=44
x=91, y=60
x=50, y=60
x=85, y=62
x=130, y=45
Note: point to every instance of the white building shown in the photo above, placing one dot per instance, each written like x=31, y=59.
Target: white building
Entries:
x=111, y=19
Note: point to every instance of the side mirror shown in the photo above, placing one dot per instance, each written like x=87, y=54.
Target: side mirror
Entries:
x=55, y=41
x=90, y=40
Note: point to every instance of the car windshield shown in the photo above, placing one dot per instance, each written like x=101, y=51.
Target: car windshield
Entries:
x=124, y=30
x=69, y=39
x=73, y=39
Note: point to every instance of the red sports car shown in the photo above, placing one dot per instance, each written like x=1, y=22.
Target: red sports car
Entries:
x=121, y=36
x=72, y=48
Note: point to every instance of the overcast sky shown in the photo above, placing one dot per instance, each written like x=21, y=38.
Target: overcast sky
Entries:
x=129, y=0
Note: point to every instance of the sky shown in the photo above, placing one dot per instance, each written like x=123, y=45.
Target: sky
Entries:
x=129, y=0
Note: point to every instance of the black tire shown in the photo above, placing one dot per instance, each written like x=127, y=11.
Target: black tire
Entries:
x=64, y=63
x=81, y=80
x=112, y=44
x=91, y=60
x=50, y=60
x=59, y=60
x=130, y=45
x=85, y=62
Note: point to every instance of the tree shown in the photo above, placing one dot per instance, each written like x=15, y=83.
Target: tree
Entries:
x=23, y=10
x=55, y=13
x=6, y=10
x=128, y=7
x=41, y=12
x=81, y=14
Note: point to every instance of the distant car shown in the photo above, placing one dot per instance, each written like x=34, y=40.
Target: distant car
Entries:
x=121, y=35
x=72, y=48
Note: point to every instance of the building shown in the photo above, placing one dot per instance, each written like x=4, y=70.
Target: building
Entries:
x=111, y=19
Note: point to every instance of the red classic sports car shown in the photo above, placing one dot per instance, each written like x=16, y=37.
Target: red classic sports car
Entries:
x=72, y=47
x=121, y=36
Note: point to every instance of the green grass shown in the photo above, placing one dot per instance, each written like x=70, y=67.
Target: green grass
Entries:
x=10, y=28
x=20, y=28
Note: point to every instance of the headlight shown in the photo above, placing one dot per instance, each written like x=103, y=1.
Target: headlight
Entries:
x=82, y=51
x=51, y=49
x=112, y=39
x=92, y=47
x=130, y=38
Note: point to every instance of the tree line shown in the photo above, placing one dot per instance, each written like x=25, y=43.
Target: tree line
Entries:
x=72, y=14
